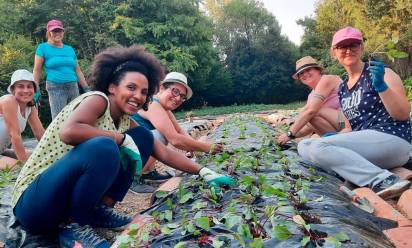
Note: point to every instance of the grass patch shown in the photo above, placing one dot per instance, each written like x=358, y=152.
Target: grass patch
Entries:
x=238, y=109
x=9, y=175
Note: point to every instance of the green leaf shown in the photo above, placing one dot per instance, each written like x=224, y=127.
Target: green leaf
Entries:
x=173, y=225
x=198, y=204
x=256, y=243
x=390, y=45
x=281, y=232
x=203, y=222
x=181, y=244
x=244, y=231
x=133, y=228
x=333, y=241
x=305, y=241
x=231, y=220
x=342, y=236
x=186, y=197
x=217, y=243
x=165, y=230
x=168, y=215
x=270, y=190
x=161, y=194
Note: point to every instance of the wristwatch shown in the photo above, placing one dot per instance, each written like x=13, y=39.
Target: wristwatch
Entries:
x=290, y=134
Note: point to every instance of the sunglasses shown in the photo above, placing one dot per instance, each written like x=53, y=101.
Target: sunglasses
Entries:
x=57, y=30
x=176, y=92
x=352, y=46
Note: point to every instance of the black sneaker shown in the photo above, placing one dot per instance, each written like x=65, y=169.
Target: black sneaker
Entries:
x=391, y=187
x=155, y=176
x=74, y=235
x=106, y=217
x=141, y=187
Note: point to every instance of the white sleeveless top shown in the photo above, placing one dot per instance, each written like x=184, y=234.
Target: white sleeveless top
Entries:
x=5, y=140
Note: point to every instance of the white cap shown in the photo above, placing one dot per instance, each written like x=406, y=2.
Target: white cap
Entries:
x=179, y=78
x=20, y=75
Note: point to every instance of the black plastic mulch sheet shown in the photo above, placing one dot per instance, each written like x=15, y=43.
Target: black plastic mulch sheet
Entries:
x=269, y=180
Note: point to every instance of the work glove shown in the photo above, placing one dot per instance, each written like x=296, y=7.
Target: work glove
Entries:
x=37, y=96
x=216, y=180
x=86, y=89
x=377, y=70
x=129, y=154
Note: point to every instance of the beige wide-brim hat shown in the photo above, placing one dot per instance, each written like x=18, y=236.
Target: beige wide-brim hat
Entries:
x=305, y=63
x=179, y=78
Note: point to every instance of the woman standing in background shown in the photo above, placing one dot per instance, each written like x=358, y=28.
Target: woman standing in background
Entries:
x=62, y=69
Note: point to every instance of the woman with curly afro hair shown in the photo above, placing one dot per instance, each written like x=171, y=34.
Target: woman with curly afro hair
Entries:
x=90, y=153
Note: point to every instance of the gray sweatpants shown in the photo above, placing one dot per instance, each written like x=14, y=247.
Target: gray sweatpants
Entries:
x=361, y=157
x=60, y=95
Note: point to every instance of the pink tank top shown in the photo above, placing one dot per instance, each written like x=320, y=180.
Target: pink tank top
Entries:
x=331, y=101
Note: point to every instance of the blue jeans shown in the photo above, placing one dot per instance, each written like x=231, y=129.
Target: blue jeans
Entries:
x=74, y=185
x=361, y=157
x=60, y=95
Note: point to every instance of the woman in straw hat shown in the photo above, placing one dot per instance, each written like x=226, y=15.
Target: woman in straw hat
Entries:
x=321, y=113
x=90, y=153
x=16, y=109
x=174, y=91
x=373, y=100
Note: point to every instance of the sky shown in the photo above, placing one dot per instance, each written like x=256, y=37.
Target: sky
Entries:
x=287, y=12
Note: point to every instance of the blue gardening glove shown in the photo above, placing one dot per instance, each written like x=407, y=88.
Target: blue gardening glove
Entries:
x=130, y=155
x=329, y=134
x=377, y=70
x=37, y=96
x=216, y=180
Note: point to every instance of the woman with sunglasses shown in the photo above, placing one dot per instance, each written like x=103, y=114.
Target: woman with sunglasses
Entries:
x=174, y=91
x=62, y=69
x=373, y=99
x=321, y=114
x=90, y=153
x=16, y=110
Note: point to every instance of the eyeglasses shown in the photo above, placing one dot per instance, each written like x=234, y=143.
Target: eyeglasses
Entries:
x=304, y=71
x=57, y=30
x=352, y=46
x=176, y=92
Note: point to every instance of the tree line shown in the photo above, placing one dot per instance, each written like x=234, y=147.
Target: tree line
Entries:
x=232, y=50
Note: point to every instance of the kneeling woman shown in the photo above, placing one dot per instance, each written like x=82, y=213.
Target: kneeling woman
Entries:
x=159, y=118
x=16, y=109
x=87, y=158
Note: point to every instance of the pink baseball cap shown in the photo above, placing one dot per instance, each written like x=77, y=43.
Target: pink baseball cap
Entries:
x=54, y=24
x=347, y=33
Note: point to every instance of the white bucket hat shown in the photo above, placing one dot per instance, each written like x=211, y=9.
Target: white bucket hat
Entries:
x=20, y=75
x=179, y=78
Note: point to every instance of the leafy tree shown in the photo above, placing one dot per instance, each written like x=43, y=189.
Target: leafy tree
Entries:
x=258, y=57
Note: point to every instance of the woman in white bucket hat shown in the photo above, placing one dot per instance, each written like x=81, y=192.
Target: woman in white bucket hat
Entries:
x=174, y=91
x=16, y=109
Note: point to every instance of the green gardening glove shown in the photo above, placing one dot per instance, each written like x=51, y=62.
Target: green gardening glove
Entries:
x=216, y=180
x=130, y=155
x=37, y=96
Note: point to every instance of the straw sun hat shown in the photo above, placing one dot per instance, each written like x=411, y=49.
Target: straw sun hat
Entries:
x=305, y=63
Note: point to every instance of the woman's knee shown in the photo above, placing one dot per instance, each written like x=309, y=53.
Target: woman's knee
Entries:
x=310, y=149
x=102, y=149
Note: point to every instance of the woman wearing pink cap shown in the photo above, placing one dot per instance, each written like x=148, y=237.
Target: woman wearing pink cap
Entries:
x=16, y=109
x=62, y=69
x=321, y=113
x=373, y=99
